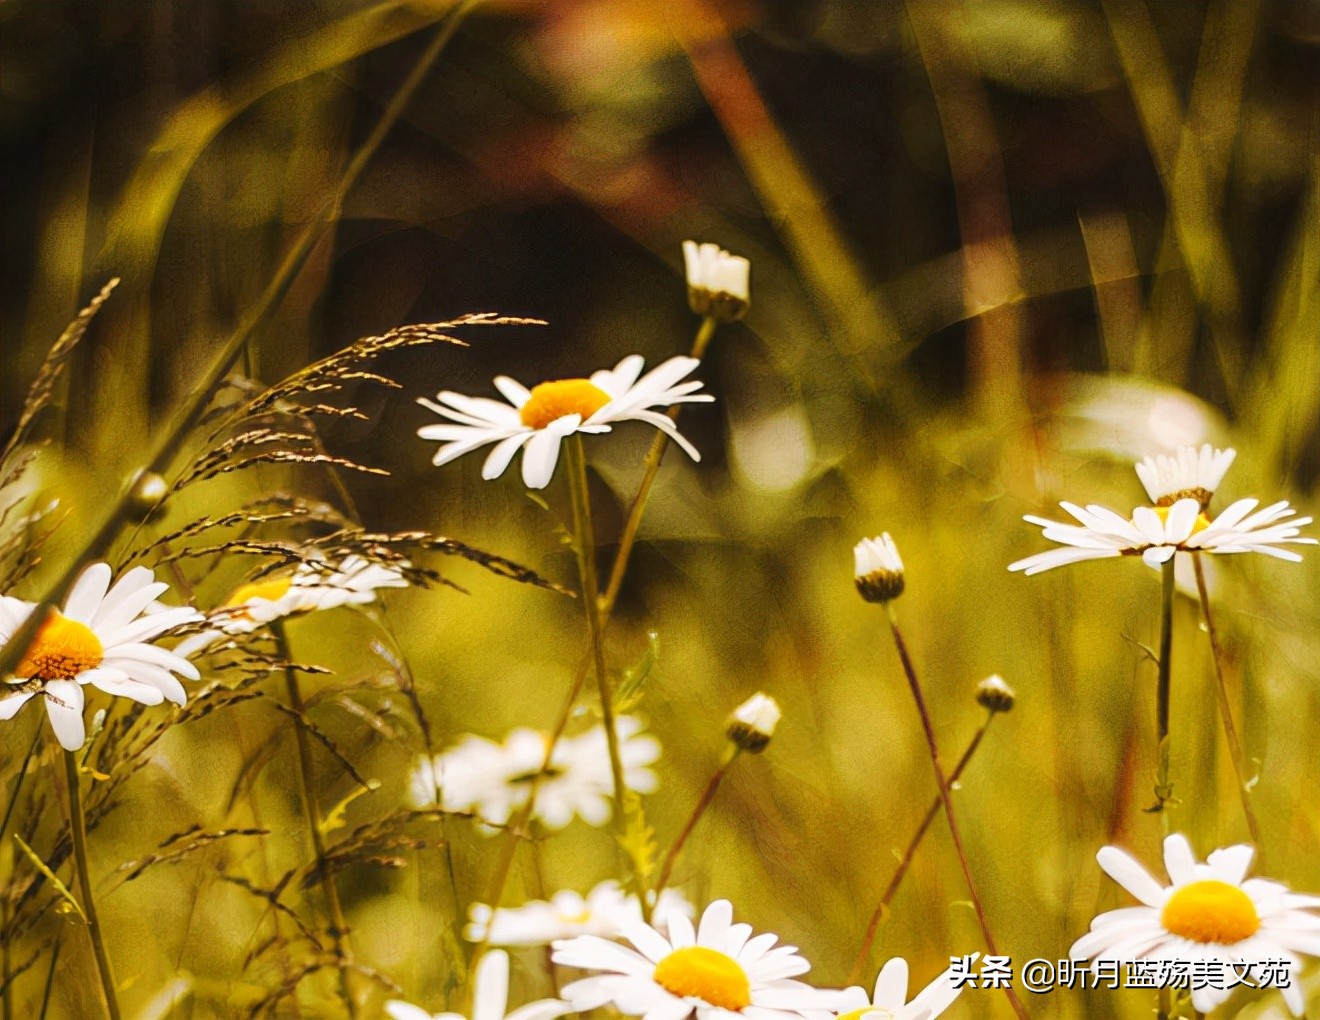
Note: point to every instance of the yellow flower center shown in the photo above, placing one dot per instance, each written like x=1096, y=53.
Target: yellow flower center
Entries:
x=705, y=974
x=1202, y=521
x=272, y=590
x=551, y=401
x=1211, y=911
x=63, y=649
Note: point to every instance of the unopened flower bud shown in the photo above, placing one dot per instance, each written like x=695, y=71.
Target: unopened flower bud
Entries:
x=879, y=569
x=148, y=490
x=718, y=283
x=993, y=694
x=753, y=723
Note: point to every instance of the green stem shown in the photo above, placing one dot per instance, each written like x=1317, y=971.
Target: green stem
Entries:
x=1225, y=708
x=7, y=1000
x=942, y=781
x=605, y=609
x=891, y=890
x=312, y=812
x=654, y=456
x=1163, y=788
x=585, y=544
x=78, y=833
x=703, y=802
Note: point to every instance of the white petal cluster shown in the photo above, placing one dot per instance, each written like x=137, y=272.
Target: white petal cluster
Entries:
x=890, y=1001
x=490, y=998
x=625, y=395
x=605, y=911
x=353, y=582
x=718, y=283
x=1275, y=924
x=753, y=723
x=104, y=636
x=648, y=979
x=1157, y=534
x=493, y=780
x=1190, y=470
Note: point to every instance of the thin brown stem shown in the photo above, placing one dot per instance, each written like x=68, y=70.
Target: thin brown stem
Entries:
x=703, y=802
x=942, y=781
x=78, y=834
x=312, y=812
x=1225, y=708
x=905, y=862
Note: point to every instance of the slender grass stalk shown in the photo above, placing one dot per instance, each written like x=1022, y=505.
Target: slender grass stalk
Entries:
x=628, y=537
x=1225, y=708
x=703, y=802
x=50, y=978
x=195, y=404
x=942, y=780
x=585, y=546
x=312, y=812
x=1163, y=682
x=78, y=833
x=6, y=961
x=905, y=862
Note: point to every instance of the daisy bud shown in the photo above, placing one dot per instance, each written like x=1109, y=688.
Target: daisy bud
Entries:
x=752, y=723
x=717, y=281
x=879, y=569
x=993, y=694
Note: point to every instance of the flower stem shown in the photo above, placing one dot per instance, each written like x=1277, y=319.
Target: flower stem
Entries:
x=78, y=833
x=586, y=554
x=703, y=802
x=312, y=812
x=1163, y=788
x=891, y=890
x=942, y=781
x=1225, y=709
x=654, y=456
x=605, y=609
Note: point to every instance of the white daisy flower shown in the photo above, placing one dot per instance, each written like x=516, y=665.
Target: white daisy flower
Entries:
x=489, y=999
x=718, y=283
x=718, y=972
x=541, y=417
x=103, y=636
x=354, y=582
x=878, y=569
x=1210, y=912
x=1157, y=533
x=605, y=911
x=890, y=1000
x=492, y=780
x=1190, y=473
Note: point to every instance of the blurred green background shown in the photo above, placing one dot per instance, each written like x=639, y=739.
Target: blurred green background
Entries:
x=1000, y=250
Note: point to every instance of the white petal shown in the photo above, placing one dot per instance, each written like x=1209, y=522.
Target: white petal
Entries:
x=1124, y=870
x=891, y=984
x=503, y=454
x=64, y=705
x=87, y=593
